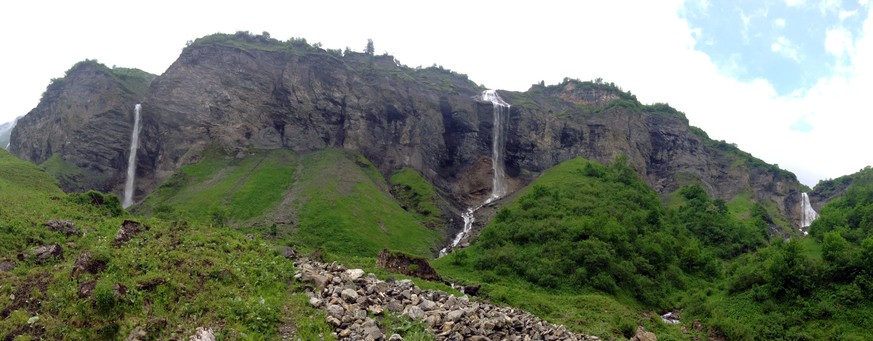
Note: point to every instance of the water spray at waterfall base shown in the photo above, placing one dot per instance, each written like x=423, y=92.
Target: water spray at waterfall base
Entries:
x=498, y=145
x=131, y=161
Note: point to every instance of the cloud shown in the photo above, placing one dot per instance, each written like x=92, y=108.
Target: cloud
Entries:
x=838, y=42
x=843, y=15
x=785, y=48
x=795, y=3
x=779, y=22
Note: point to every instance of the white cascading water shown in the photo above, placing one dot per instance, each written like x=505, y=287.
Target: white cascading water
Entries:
x=131, y=161
x=807, y=213
x=498, y=143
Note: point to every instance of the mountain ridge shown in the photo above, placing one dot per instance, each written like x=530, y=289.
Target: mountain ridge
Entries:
x=246, y=91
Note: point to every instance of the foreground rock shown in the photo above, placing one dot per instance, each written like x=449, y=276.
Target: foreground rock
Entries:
x=128, y=230
x=353, y=302
x=43, y=253
x=63, y=226
x=406, y=264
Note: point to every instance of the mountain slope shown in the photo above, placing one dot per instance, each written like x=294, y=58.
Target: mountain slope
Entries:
x=164, y=280
x=330, y=199
x=245, y=91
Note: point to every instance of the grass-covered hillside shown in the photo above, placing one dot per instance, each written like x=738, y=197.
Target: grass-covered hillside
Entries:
x=591, y=247
x=331, y=199
x=168, y=279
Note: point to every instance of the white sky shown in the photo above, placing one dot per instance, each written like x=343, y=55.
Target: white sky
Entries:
x=643, y=46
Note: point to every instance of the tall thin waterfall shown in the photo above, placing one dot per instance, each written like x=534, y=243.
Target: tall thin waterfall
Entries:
x=807, y=213
x=498, y=144
x=131, y=161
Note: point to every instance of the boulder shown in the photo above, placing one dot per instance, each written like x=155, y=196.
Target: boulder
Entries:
x=86, y=263
x=86, y=289
x=288, y=252
x=202, y=334
x=7, y=265
x=63, y=226
x=406, y=264
x=643, y=335
x=128, y=230
x=43, y=253
x=349, y=295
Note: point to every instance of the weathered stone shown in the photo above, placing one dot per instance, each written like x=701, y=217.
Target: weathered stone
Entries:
x=63, y=226
x=407, y=265
x=315, y=302
x=43, y=253
x=349, y=295
x=395, y=337
x=375, y=309
x=455, y=315
x=335, y=310
x=288, y=252
x=202, y=334
x=7, y=265
x=128, y=230
x=355, y=274
x=374, y=333
x=427, y=305
x=86, y=263
x=643, y=335
x=414, y=312
x=86, y=289
x=334, y=321
x=318, y=281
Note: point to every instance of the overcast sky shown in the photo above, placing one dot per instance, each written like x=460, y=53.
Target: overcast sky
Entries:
x=786, y=80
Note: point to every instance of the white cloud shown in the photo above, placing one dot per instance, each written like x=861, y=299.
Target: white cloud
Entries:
x=779, y=22
x=838, y=42
x=830, y=6
x=795, y=3
x=847, y=14
x=785, y=48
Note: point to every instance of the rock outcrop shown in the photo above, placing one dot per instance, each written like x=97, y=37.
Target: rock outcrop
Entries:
x=354, y=302
x=242, y=91
x=82, y=126
x=409, y=265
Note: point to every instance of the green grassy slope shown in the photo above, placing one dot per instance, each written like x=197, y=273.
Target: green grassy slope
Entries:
x=168, y=280
x=329, y=199
x=345, y=208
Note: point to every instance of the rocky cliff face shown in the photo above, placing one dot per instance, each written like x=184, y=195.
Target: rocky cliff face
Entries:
x=241, y=92
x=82, y=126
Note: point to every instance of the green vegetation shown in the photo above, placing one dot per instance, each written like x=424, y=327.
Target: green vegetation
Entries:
x=134, y=81
x=591, y=247
x=168, y=280
x=833, y=187
x=345, y=208
x=329, y=199
x=418, y=196
x=222, y=189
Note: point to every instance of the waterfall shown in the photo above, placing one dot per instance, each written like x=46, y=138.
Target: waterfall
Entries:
x=498, y=143
x=498, y=181
x=807, y=214
x=131, y=161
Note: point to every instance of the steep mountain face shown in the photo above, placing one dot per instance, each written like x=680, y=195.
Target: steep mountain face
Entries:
x=81, y=128
x=600, y=122
x=241, y=92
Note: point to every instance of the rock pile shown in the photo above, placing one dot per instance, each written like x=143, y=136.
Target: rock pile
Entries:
x=350, y=298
